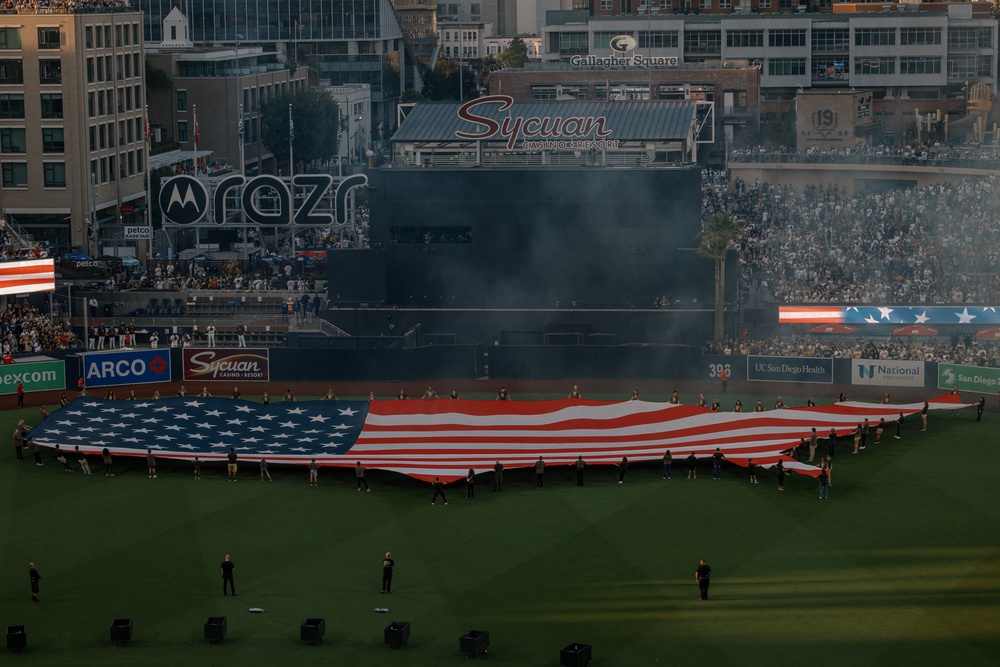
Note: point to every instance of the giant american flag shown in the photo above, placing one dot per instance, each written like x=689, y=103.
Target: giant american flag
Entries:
x=445, y=437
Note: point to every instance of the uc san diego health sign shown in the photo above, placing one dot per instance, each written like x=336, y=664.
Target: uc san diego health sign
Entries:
x=789, y=369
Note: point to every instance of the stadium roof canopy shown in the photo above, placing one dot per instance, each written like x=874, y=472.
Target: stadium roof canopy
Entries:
x=624, y=121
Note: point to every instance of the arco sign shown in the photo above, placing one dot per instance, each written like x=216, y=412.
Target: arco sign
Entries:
x=184, y=200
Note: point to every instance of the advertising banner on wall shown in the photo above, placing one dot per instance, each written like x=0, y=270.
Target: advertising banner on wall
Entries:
x=242, y=364
x=968, y=378
x=789, y=369
x=35, y=376
x=887, y=373
x=110, y=369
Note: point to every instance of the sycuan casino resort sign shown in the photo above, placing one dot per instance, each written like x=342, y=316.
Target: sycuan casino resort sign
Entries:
x=536, y=132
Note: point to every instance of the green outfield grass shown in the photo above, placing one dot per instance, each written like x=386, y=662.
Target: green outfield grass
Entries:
x=900, y=567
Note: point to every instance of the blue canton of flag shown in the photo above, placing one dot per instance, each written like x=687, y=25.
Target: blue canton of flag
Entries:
x=186, y=427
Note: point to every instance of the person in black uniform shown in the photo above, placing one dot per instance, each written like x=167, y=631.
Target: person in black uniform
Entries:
x=498, y=476
x=470, y=484
x=35, y=578
x=438, y=491
x=781, y=475
x=580, y=465
x=387, y=564
x=227, y=576
x=980, y=406
x=539, y=473
x=701, y=575
x=717, y=458
x=622, y=469
x=692, y=466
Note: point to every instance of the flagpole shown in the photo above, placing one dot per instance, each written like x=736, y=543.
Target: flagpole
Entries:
x=194, y=107
x=291, y=173
x=149, y=196
x=241, y=132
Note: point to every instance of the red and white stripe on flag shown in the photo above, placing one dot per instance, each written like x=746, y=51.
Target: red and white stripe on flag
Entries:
x=35, y=275
x=810, y=314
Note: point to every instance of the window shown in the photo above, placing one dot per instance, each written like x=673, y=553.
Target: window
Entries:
x=786, y=66
x=90, y=70
x=104, y=170
x=10, y=38
x=702, y=42
x=602, y=40
x=98, y=32
x=92, y=131
x=15, y=174
x=765, y=4
x=875, y=37
x=969, y=39
x=919, y=65
x=705, y=4
x=908, y=36
x=744, y=38
x=11, y=72
x=55, y=174
x=89, y=37
x=11, y=105
x=606, y=5
x=52, y=140
x=52, y=105
x=570, y=43
x=786, y=38
x=182, y=131
x=725, y=4
x=48, y=38
x=128, y=67
x=565, y=91
x=135, y=33
x=135, y=65
x=984, y=65
x=100, y=102
x=874, y=66
x=111, y=135
x=658, y=40
x=102, y=133
x=131, y=162
x=100, y=68
x=12, y=140
x=118, y=35
x=831, y=40
x=50, y=71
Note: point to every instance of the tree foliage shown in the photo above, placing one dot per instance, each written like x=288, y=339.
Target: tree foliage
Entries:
x=317, y=125
x=717, y=235
x=515, y=55
x=441, y=83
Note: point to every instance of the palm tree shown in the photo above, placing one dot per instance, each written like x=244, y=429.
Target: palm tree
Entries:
x=718, y=233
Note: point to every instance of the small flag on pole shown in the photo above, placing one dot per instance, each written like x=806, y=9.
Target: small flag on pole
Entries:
x=241, y=130
x=291, y=129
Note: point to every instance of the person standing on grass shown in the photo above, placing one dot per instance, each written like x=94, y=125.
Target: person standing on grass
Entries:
x=857, y=439
x=498, y=476
x=539, y=473
x=702, y=577
x=579, y=465
x=109, y=467
x=263, y=471
x=359, y=473
x=35, y=452
x=865, y=426
x=150, y=464
x=35, y=578
x=831, y=444
x=20, y=395
x=827, y=465
x=692, y=466
x=438, y=491
x=752, y=468
x=668, y=461
x=780, y=469
x=387, y=564
x=824, y=484
x=231, y=460
x=717, y=458
x=622, y=469
x=81, y=459
x=923, y=416
x=470, y=484
x=899, y=427
x=980, y=406
x=61, y=457
x=18, y=442
x=813, y=443
x=879, y=428
x=196, y=464
x=313, y=473
x=227, y=576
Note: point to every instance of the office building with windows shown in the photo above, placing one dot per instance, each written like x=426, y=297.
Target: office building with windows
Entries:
x=72, y=153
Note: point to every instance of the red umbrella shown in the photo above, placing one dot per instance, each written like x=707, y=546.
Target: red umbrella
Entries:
x=915, y=330
x=992, y=332
x=836, y=328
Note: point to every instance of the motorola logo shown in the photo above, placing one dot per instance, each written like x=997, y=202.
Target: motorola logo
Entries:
x=183, y=200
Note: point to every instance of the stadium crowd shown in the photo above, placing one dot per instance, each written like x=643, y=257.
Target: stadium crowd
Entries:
x=24, y=328
x=872, y=154
x=64, y=6
x=935, y=244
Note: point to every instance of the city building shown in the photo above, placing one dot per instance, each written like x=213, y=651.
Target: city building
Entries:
x=914, y=58
x=354, y=101
x=463, y=40
x=342, y=41
x=205, y=89
x=72, y=152
x=495, y=44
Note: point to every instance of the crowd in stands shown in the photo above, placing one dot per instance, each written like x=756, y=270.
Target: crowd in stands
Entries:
x=24, y=328
x=64, y=6
x=872, y=154
x=934, y=244
x=957, y=350
x=256, y=276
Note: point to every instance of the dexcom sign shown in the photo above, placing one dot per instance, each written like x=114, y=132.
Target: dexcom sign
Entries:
x=34, y=376
x=116, y=368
